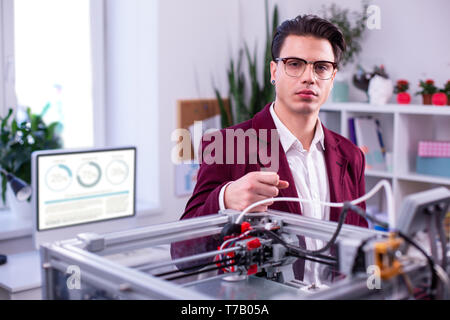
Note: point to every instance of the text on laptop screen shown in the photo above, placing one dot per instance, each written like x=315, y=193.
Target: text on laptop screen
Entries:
x=82, y=187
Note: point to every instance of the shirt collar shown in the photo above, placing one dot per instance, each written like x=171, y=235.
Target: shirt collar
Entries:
x=287, y=139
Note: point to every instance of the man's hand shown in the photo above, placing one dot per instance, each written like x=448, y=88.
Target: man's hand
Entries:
x=253, y=187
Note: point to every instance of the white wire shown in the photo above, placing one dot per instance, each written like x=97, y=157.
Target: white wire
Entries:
x=368, y=195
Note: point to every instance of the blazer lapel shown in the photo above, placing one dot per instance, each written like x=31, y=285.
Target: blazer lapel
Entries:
x=263, y=120
x=336, y=165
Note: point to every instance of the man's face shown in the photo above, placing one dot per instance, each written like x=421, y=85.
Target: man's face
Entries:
x=289, y=89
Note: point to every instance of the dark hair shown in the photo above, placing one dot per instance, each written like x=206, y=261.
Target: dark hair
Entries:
x=309, y=25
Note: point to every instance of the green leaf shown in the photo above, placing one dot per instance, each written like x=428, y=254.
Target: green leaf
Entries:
x=17, y=142
x=4, y=182
x=50, y=132
x=45, y=109
x=255, y=93
x=14, y=127
x=6, y=119
x=226, y=122
x=247, y=104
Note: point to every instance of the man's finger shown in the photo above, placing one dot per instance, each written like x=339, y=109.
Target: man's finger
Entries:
x=266, y=177
x=282, y=184
x=265, y=190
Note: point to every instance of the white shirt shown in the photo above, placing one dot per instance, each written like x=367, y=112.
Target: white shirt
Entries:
x=311, y=181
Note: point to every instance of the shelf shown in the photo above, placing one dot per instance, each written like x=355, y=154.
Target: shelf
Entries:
x=424, y=178
x=402, y=127
x=416, y=177
x=379, y=174
x=387, y=108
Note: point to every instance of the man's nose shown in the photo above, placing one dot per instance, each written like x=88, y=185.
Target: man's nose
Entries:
x=308, y=75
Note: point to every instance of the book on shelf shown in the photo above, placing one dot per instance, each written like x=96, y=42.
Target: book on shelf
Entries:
x=368, y=137
x=351, y=130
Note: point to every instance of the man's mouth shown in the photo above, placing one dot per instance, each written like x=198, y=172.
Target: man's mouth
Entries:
x=306, y=93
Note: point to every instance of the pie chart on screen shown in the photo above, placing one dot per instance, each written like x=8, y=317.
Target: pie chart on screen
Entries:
x=117, y=171
x=89, y=174
x=58, y=177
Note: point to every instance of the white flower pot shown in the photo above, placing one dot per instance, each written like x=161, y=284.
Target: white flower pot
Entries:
x=380, y=90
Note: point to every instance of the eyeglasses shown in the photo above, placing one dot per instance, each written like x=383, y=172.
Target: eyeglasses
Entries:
x=295, y=67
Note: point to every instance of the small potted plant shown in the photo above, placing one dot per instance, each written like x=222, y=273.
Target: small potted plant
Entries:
x=18, y=140
x=428, y=89
x=446, y=91
x=353, y=27
x=401, y=88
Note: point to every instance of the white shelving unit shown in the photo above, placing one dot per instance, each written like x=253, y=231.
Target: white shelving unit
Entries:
x=402, y=126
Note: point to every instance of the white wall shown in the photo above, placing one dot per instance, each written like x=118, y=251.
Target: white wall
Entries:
x=132, y=87
x=158, y=57
x=412, y=43
x=158, y=52
x=196, y=40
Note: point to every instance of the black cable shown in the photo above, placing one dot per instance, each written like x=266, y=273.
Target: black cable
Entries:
x=331, y=242
x=430, y=261
x=201, y=271
x=363, y=214
x=295, y=250
x=331, y=263
x=191, y=268
x=359, y=258
x=443, y=240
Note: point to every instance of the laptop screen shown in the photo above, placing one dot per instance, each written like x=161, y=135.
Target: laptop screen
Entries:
x=79, y=187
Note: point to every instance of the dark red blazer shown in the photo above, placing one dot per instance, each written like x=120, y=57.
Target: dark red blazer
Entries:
x=345, y=165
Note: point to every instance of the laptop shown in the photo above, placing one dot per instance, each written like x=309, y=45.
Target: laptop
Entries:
x=81, y=191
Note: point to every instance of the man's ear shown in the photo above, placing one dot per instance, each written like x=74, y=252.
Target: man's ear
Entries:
x=273, y=70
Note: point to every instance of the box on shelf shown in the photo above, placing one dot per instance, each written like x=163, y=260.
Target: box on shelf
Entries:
x=433, y=158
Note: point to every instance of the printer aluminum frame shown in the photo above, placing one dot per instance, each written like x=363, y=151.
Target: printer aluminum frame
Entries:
x=87, y=251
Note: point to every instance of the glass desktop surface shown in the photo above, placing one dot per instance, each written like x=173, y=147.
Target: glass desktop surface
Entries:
x=251, y=288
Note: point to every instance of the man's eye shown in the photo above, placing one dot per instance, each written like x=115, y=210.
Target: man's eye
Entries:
x=322, y=67
x=294, y=64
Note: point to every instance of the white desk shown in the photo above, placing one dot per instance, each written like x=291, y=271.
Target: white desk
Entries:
x=15, y=233
x=20, y=277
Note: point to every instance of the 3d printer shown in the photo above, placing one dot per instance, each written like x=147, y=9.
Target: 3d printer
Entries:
x=236, y=255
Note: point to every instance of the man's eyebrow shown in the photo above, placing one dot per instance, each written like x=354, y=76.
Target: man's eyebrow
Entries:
x=292, y=57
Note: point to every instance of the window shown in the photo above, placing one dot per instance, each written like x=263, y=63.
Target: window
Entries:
x=61, y=51
x=52, y=58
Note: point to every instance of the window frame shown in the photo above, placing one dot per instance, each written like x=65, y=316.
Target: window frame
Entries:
x=7, y=64
x=7, y=70
x=98, y=44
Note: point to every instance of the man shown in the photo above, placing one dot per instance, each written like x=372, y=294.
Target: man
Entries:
x=313, y=162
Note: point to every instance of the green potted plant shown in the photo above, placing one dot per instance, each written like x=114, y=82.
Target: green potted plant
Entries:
x=353, y=25
x=428, y=89
x=401, y=89
x=18, y=140
x=243, y=106
x=446, y=90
